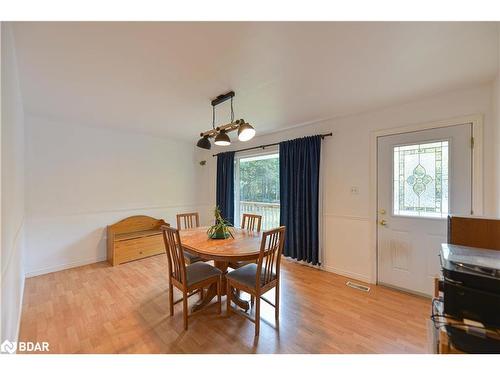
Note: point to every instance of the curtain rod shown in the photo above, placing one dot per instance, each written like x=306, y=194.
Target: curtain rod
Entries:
x=270, y=144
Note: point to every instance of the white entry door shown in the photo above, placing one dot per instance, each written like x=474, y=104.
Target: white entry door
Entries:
x=422, y=177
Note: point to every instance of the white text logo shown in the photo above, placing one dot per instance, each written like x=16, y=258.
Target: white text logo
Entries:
x=24, y=346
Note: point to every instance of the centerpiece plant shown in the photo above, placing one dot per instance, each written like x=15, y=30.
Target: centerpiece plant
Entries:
x=220, y=230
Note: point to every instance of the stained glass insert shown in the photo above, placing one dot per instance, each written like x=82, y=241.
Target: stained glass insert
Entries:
x=421, y=180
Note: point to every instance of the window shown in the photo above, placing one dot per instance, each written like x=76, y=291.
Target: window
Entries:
x=421, y=180
x=257, y=188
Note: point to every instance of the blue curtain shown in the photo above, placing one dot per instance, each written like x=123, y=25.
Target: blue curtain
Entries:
x=225, y=185
x=299, y=197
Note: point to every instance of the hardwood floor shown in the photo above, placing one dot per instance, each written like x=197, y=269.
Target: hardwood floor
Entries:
x=124, y=309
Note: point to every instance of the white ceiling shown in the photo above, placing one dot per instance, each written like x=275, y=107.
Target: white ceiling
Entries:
x=158, y=78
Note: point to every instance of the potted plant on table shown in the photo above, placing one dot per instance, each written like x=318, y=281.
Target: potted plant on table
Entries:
x=220, y=230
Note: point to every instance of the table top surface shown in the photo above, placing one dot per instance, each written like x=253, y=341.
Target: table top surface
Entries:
x=244, y=246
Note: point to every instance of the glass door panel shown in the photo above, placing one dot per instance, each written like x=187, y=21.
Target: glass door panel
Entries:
x=257, y=188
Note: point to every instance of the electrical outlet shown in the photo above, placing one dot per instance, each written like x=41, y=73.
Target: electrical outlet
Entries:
x=354, y=190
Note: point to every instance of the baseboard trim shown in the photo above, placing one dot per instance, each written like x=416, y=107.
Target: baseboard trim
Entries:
x=337, y=271
x=61, y=267
x=349, y=274
x=301, y=262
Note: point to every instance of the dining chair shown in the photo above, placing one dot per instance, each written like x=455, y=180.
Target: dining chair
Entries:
x=257, y=279
x=188, y=279
x=190, y=220
x=251, y=222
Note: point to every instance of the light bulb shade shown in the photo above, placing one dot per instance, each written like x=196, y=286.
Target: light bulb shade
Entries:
x=222, y=139
x=245, y=132
x=204, y=143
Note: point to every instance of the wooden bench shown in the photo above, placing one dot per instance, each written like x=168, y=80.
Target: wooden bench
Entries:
x=134, y=238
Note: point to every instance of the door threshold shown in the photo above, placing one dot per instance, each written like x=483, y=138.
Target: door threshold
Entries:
x=408, y=291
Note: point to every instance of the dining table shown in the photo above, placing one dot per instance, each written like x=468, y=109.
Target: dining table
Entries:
x=243, y=245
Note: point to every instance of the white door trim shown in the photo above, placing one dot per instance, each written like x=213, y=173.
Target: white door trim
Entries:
x=271, y=150
x=477, y=170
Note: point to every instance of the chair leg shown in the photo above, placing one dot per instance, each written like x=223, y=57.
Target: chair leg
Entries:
x=277, y=303
x=252, y=300
x=228, y=298
x=171, y=298
x=257, y=315
x=185, y=309
x=202, y=294
x=219, y=297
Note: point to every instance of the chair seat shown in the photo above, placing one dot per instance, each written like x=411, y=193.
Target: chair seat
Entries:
x=190, y=258
x=246, y=275
x=200, y=271
x=241, y=263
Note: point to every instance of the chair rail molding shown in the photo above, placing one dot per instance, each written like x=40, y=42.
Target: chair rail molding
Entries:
x=138, y=208
x=347, y=217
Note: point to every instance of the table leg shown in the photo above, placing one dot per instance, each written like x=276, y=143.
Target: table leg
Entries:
x=212, y=291
x=209, y=295
x=239, y=302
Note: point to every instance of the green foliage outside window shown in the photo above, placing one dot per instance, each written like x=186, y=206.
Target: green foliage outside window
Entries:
x=259, y=180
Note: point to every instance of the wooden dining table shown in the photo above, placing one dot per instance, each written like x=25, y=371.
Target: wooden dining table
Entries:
x=245, y=246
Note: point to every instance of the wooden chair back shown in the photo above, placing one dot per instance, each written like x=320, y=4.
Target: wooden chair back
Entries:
x=190, y=220
x=175, y=254
x=271, y=248
x=251, y=222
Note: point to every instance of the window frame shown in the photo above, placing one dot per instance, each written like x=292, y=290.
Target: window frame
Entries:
x=423, y=142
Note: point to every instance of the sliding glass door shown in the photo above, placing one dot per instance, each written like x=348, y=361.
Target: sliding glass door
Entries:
x=257, y=187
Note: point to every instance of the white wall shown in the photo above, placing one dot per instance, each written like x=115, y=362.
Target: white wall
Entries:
x=12, y=203
x=346, y=163
x=80, y=179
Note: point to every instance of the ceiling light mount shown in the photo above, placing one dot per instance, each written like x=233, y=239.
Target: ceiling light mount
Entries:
x=245, y=130
x=222, y=98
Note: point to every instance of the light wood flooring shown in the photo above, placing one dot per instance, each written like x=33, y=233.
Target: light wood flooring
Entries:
x=124, y=309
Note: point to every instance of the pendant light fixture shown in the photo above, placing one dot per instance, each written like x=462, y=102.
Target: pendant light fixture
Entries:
x=204, y=142
x=222, y=139
x=245, y=130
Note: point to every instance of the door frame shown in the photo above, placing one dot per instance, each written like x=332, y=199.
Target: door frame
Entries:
x=271, y=150
x=477, y=171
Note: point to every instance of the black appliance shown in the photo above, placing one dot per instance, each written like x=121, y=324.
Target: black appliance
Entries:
x=472, y=342
x=471, y=285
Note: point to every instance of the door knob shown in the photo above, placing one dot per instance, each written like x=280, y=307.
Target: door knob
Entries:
x=382, y=212
x=383, y=223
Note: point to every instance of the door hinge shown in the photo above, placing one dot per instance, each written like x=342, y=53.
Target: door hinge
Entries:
x=471, y=142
